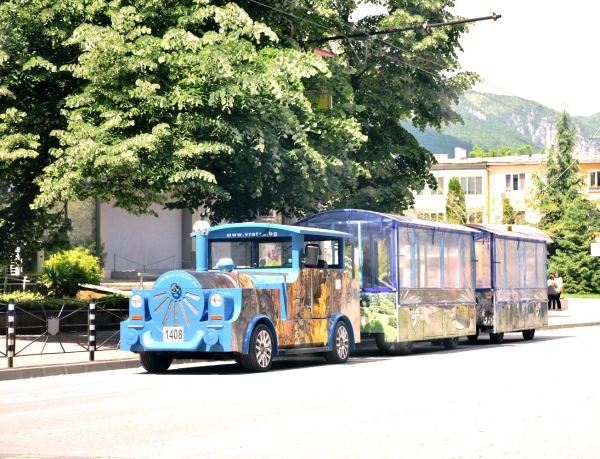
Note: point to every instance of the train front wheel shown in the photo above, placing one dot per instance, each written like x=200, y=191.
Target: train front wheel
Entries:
x=340, y=347
x=451, y=343
x=396, y=348
x=260, y=351
x=155, y=362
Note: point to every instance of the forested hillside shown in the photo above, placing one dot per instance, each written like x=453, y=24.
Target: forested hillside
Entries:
x=492, y=121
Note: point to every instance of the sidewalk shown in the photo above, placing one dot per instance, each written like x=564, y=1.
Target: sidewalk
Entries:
x=40, y=359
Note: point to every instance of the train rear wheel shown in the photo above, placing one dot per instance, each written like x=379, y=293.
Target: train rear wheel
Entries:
x=437, y=342
x=155, y=362
x=451, y=343
x=473, y=338
x=496, y=338
x=528, y=334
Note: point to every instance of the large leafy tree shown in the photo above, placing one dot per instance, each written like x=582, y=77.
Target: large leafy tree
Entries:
x=197, y=105
x=192, y=102
x=567, y=215
x=413, y=76
x=32, y=89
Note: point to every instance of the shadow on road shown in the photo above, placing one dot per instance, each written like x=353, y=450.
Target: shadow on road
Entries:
x=368, y=354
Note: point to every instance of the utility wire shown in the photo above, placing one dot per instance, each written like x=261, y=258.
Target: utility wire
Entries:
x=384, y=54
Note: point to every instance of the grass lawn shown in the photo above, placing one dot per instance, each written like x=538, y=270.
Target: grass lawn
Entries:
x=592, y=296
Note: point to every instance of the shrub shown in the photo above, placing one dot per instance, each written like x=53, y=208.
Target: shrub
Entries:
x=66, y=270
x=19, y=296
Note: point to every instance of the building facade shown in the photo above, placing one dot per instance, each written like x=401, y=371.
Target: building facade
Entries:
x=488, y=181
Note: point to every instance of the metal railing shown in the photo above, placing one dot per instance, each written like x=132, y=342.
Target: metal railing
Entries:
x=32, y=329
x=135, y=264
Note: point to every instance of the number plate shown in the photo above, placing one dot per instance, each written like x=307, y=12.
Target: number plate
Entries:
x=173, y=334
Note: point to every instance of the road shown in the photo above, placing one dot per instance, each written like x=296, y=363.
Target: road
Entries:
x=516, y=400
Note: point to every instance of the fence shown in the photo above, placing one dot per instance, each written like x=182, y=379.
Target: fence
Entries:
x=35, y=328
x=124, y=264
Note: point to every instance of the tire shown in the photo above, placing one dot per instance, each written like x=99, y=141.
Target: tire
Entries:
x=496, y=338
x=473, y=338
x=451, y=343
x=340, y=345
x=437, y=342
x=155, y=362
x=387, y=348
x=260, y=350
x=528, y=334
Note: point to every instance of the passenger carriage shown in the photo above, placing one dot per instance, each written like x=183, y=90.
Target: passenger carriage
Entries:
x=259, y=291
x=417, y=278
x=511, y=286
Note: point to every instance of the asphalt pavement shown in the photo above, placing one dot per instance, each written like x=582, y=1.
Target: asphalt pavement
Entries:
x=38, y=357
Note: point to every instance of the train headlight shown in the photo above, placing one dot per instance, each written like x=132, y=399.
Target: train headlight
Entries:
x=216, y=300
x=137, y=301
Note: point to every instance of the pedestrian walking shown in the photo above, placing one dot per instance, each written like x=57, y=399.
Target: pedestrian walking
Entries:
x=551, y=292
x=559, y=287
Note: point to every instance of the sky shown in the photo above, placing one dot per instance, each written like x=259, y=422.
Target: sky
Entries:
x=542, y=50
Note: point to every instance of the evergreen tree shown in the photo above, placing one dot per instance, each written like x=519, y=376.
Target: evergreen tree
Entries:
x=456, y=208
x=508, y=212
x=567, y=215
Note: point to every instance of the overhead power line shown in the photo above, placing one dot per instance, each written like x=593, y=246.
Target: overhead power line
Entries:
x=368, y=33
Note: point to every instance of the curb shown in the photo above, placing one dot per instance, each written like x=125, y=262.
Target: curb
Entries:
x=67, y=369
x=561, y=326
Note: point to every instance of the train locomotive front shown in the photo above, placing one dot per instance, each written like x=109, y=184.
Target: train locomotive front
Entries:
x=259, y=291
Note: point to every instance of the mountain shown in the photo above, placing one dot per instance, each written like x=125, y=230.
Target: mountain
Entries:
x=492, y=121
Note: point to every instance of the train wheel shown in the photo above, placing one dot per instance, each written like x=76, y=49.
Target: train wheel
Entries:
x=383, y=346
x=403, y=348
x=496, y=338
x=387, y=348
x=437, y=342
x=155, y=362
x=451, y=343
x=528, y=334
x=473, y=338
x=260, y=352
x=340, y=345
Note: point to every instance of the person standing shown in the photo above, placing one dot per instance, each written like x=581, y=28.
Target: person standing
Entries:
x=559, y=287
x=551, y=293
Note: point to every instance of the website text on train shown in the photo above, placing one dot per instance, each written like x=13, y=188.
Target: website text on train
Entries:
x=432, y=281
x=259, y=291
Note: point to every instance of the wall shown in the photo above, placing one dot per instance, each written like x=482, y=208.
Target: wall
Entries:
x=144, y=240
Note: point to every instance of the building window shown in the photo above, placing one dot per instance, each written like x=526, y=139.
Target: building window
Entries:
x=440, y=189
x=475, y=217
x=595, y=179
x=471, y=185
x=437, y=217
x=515, y=182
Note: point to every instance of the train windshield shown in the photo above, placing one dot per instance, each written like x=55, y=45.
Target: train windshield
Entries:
x=254, y=254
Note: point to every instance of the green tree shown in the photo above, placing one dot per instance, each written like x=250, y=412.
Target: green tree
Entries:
x=32, y=89
x=508, y=212
x=456, y=208
x=206, y=103
x=567, y=215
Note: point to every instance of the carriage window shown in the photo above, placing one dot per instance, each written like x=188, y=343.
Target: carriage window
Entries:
x=258, y=254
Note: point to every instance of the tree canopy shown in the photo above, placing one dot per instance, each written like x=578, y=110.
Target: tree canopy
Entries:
x=567, y=215
x=195, y=103
x=479, y=152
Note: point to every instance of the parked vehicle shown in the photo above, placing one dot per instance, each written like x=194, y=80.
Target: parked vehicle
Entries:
x=333, y=280
x=511, y=288
x=423, y=280
x=259, y=291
